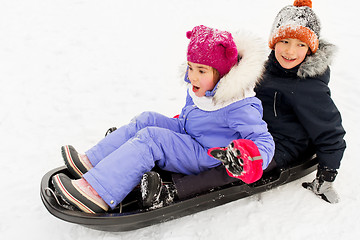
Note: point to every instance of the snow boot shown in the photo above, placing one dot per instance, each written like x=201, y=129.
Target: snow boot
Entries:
x=154, y=193
x=79, y=193
x=76, y=163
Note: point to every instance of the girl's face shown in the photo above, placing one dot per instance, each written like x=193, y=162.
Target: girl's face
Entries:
x=202, y=78
x=291, y=52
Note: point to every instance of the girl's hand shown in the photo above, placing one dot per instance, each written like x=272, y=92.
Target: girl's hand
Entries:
x=241, y=159
x=230, y=157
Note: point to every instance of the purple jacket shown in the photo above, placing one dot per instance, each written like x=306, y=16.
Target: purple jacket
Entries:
x=239, y=120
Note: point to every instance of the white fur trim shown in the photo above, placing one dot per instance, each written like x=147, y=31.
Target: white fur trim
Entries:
x=317, y=63
x=207, y=103
x=243, y=77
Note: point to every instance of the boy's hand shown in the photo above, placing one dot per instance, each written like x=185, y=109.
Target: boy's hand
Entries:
x=241, y=159
x=322, y=185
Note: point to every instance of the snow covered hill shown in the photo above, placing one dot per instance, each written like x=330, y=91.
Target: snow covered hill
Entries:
x=70, y=69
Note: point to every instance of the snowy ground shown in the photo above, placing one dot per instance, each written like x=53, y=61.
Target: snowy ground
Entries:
x=69, y=69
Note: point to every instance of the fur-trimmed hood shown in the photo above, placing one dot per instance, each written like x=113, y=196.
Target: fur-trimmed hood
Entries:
x=244, y=76
x=239, y=83
x=316, y=64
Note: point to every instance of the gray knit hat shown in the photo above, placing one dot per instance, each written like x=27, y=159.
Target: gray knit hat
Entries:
x=297, y=21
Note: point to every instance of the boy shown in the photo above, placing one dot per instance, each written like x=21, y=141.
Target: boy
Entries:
x=296, y=98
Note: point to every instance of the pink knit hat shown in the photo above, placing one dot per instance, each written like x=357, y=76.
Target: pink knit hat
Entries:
x=213, y=48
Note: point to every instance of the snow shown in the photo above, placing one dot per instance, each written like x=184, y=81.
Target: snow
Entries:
x=70, y=69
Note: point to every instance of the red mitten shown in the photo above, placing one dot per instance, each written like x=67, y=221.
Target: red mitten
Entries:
x=241, y=159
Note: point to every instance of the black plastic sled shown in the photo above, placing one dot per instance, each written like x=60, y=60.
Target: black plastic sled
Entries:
x=129, y=216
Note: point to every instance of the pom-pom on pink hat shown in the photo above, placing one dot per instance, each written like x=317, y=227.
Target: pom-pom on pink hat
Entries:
x=213, y=48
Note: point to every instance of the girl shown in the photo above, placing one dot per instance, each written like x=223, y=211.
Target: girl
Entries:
x=220, y=107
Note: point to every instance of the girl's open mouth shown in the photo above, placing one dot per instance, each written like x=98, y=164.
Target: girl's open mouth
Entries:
x=195, y=89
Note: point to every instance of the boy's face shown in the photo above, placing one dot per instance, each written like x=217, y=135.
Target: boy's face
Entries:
x=291, y=52
x=202, y=78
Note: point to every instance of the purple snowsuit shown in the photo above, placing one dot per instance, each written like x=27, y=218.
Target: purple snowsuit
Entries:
x=174, y=144
x=180, y=145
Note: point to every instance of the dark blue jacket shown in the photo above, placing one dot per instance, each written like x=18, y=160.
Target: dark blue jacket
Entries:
x=300, y=112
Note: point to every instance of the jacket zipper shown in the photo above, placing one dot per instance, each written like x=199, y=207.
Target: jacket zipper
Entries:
x=274, y=106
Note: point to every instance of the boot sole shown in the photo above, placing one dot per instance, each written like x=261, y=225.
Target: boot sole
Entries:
x=76, y=168
x=151, y=180
x=69, y=193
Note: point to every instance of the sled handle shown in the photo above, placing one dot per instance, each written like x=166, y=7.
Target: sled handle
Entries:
x=110, y=130
x=50, y=193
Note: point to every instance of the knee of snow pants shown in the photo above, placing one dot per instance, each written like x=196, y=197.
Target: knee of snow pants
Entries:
x=117, y=138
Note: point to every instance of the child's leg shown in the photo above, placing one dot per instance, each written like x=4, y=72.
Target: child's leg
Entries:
x=117, y=174
x=189, y=185
x=156, y=194
x=117, y=138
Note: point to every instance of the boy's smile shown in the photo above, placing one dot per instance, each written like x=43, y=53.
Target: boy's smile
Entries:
x=289, y=59
x=290, y=52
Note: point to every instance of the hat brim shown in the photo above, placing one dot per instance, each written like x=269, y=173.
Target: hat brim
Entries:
x=298, y=32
